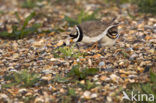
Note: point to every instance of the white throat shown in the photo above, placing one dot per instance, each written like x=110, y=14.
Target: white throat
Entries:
x=78, y=33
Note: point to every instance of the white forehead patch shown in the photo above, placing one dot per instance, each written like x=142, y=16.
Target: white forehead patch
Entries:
x=78, y=31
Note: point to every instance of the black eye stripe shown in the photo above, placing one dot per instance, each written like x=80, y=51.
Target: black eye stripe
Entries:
x=73, y=36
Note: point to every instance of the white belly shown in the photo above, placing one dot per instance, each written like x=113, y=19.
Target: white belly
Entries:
x=106, y=41
x=88, y=40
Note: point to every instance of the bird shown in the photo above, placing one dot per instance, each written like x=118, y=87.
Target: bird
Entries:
x=93, y=31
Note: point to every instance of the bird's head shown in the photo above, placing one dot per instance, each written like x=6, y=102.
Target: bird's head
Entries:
x=113, y=31
x=76, y=35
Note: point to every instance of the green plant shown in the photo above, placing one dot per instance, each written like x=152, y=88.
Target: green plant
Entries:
x=68, y=52
x=147, y=6
x=66, y=99
x=71, y=96
x=81, y=17
x=64, y=1
x=28, y=99
x=60, y=79
x=144, y=88
x=22, y=78
x=76, y=73
x=1, y=12
x=117, y=1
x=19, y=31
x=71, y=92
x=88, y=85
x=30, y=3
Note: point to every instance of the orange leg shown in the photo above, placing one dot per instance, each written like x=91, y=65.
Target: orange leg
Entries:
x=95, y=45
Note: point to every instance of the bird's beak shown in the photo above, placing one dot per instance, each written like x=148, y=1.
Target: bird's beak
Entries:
x=71, y=40
x=114, y=36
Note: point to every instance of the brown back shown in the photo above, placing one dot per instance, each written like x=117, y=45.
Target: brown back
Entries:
x=93, y=28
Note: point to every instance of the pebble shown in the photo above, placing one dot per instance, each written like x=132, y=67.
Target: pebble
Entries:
x=39, y=100
x=47, y=71
x=101, y=64
x=108, y=69
x=15, y=55
x=62, y=90
x=103, y=78
x=133, y=56
x=147, y=68
x=22, y=91
x=47, y=78
x=86, y=94
x=109, y=99
x=94, y=95
x=95, y=78
x=140, y=69
x=154, y=28
x=12, y=70
x=50, y=88
x=121, y=63
x=5, y=98
x=29, y=94
x=132, y=76
x=89, y=62
x=98, y=83
x=82, y=81
x=129, y=49
x=78, y=60
x=131, y=80
x=38, y=43
x=114, y=78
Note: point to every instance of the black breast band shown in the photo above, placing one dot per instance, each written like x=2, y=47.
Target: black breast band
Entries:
x=81, y=34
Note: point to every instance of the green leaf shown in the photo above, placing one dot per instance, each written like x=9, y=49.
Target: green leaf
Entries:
x=22, y=78
x=81, y=17
x=71, y=92
x=88, y=85
x=77, y=74
x=153, y=77
x=71, y=21
x=17, y=16
x=74, y=71
x=60, y=79
x=91, y=71
x=28, y=19
x=20, y=33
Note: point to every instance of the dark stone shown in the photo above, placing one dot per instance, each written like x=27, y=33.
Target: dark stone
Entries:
x=40, y=58
x=103, y=83
x=147, y=68
x=40, y=91
x=107, y=69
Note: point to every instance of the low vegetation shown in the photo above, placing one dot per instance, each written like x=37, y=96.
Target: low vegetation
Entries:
x=81, y=73
x=144, y=88
x=67, y=52
x=30, y=3
x=147, y=6
x=19, y=31
x=81, y=17
x=23, y=78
